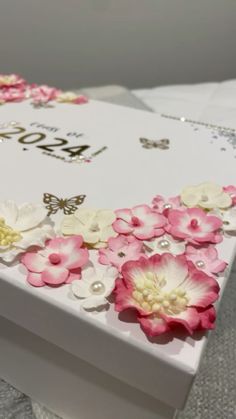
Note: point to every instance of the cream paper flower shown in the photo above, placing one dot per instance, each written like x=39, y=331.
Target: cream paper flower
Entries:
x=22, y=227
x=206, y=195
x=228, y=218
x=95, y=286
x=95, y=226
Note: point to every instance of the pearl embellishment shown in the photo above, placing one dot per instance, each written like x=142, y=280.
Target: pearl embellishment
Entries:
x=164, y=244
x=97, y=288
x=200, y=264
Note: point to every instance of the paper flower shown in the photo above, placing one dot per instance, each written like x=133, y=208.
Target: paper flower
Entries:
x=11, y=95
x=206, y=259
x=95, y=286
x=206, y=195
x=71, y=97
x=228, y=218
x=120, y=250
x=12, y=81
x=162, y=205
x=165, y=244
x=43, y=94
x=22, y=227
x=140, y=221
x=59, y=263
x=231, y=190
x=194, y=225
x=167, y=291
x=94, y=225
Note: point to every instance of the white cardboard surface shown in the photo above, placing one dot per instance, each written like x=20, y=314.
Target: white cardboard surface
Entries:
x=122, y=176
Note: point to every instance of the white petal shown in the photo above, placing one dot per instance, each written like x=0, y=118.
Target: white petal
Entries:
x=35, y=237
x=85, y=215
x=80, y=289
x=93, y=302
x=9, y=211
x=30, y=216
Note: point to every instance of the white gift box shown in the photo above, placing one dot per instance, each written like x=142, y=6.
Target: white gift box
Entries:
x=95, y=365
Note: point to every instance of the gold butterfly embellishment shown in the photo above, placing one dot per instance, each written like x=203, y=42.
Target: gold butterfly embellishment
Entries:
x=163, y=144
x=69, y=206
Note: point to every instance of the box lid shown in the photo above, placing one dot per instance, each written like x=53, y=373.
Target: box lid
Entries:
x=120, y=172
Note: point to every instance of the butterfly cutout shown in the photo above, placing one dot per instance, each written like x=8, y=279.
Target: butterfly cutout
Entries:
x=69, y=206
x=162, y=144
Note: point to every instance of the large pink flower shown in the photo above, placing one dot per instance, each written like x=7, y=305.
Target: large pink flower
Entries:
x=194, y=225
x=140, y=221
x=43, y=94
x=120, y=249
x=167, y=291
x=206, y=259
x=12, y=94
x=60, y=262
x=12, y=81
x=231, y=190
x=162, y=205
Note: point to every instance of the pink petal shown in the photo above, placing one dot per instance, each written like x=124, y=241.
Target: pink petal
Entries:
x=35, y=279
x=141, y=211
x=122, y=227
x=34, y=262
x=207, y=318
x=188, y=318
x=201, y=289
x=125, y=214
x=153, y=325
x=144, y=232
x=116, y=243
x=55, y=275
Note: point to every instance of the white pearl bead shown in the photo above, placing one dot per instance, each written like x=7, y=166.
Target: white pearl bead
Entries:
x=200, y=264
x=164, y=244
x=167, y=206
x=97, y=288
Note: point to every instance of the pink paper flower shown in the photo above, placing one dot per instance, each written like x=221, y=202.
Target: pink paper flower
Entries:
x=140, y=221
x=194, y=225
x=12, y=81
x=120, y=249
x=206, y=259
x=59, y=263
x=231, y=190
x=162, y=205
x=167, y=291
x=12, y=94
x=44, y=94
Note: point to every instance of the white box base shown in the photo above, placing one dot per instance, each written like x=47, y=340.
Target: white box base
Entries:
x=68, y=386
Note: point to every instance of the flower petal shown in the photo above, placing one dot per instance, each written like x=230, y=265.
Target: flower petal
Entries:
x=201, y=289
x=34, y=262
x=54, y=275
x=153, y=325
x=9, y=211
x=35, y=279
x=30, y=216
x=80, y=289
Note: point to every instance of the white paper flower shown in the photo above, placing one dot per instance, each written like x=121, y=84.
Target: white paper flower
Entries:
x=95, y=226
x=22, y=227
x=228, y=218
x=165, y=244
x=206, y=195
x=95, y=286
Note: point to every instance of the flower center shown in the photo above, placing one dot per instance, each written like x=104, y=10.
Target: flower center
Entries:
x=97, y=288
x=164, y=244
x=204, y=198
x=194, y=223
x=8, y=236
x=121, y=254
x=55, y=258
x=136, y=221
x=94, y=227
x=150, y=297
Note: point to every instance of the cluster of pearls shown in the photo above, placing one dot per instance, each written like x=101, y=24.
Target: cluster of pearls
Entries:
x=150, y=296
x=7, y=234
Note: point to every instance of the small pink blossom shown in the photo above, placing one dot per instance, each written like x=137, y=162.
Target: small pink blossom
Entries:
x=80, y=100
x=12, y=94
x=162, y=205
x=231, y=190
x=194, y=225
x=120, y=249
x=59, y=263
x=167, y=291
x=44, y=94
x=12, y=81
x=140, y=221
x=205, y=259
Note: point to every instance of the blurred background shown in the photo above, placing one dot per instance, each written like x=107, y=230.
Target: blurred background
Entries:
x=136, y=43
